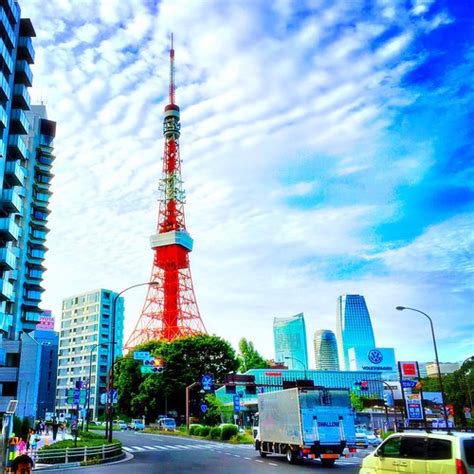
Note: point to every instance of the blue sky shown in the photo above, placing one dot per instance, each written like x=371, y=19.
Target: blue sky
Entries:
x=326, y=146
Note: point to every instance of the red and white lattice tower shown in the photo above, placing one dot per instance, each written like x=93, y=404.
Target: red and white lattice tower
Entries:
x=170, y=310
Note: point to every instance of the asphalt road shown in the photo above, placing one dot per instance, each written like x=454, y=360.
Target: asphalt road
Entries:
x=171, y=454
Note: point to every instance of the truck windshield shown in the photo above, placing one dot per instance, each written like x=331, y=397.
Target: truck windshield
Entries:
x=316, y=398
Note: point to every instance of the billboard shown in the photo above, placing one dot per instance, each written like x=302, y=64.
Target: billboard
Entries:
x=372, y=359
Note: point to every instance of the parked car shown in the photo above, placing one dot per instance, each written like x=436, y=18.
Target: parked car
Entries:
x=167, y=424
x=121, y=425
x=422, y=452
x=361, y=440
x=136, y=424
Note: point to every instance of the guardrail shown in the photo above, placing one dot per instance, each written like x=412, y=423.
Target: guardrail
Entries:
x=86, y=454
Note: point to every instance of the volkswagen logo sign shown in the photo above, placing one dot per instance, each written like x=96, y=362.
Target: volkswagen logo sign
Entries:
x=375, y=356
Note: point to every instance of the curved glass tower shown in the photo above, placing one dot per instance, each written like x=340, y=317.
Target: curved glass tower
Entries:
x=353, y=327
x=325, y=350
x=290, y=342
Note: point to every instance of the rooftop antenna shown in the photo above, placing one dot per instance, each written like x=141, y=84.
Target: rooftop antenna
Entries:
x=172, y=86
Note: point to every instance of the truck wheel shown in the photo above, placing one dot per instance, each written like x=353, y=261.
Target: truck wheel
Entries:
x=328, y=462
x=262, y=454
x=291, y=456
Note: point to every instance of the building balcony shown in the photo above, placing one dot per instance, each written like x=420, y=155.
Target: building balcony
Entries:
x=31, y=317
x=6, y=290
x=4, y=89
x=17, y=148
x=13, y=275
x=37, y=240
x=18, y=122
x=9, y=230
x=6, y=58
x=6, y=320
x=8, y=374
x=26, y=50
x=9, y=6
x=7, y=29
x=23, y=74
x=14, y=173
x=40, y=203
x=10, y=200
x=36, y=259
x=3, y=118
x=21, y=97
x=7, y=259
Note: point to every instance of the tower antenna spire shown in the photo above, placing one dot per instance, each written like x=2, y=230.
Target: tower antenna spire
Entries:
x=172, y=86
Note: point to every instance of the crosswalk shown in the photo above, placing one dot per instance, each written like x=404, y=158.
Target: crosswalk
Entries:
x=170, y=447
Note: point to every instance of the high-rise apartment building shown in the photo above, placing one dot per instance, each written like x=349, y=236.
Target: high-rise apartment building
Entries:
x=353, y=327
x=48, y=339
x=325, y=350
x=26, y=141
x=85, y=345
x=290, y=342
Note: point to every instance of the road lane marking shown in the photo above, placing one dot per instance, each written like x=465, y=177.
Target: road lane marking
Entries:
x=171, y=447
x=272, y=464
x=127, y=449
x=159, y=447
x=138, y=448
x=149, y=447
x=258, y=460
x=236, y=456
x=245, y=457
x=183, y=446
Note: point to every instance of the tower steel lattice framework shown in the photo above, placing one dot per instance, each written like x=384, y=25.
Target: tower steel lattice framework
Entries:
x=170, y=310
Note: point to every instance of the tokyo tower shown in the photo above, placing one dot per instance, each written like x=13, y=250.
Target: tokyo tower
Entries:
x=170, y=310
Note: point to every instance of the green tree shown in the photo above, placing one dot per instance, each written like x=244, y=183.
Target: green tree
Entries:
x=185, y=361
x=249, y=358
x=356, y=401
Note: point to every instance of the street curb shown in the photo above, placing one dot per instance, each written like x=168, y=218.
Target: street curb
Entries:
x=68, y=465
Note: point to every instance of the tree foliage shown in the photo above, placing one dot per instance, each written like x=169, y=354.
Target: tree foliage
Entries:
x=249, y=358
x=185, y=361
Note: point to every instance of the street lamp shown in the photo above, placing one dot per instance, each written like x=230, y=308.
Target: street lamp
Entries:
x=109, y=409
x=401, y=308
x=297, y=360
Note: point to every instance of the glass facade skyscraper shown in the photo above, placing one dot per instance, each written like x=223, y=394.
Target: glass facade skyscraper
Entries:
x=325, y=350
x=290, y=341
x=85, y=346
x=26, y=146
x=353, y=327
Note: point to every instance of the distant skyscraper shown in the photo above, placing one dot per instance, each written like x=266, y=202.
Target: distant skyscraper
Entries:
x=85, y=345
x=290, y=342
x=353, y=327
x=325, y=350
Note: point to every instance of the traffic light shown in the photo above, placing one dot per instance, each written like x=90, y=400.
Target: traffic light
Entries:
x=230, y=388
x=251, y=389
x=364, y=385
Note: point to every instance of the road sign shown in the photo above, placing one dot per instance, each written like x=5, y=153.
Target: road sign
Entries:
x=203, y=408
x=103, y=398
x=206, y=382
x=261, y=389
x=409, y=383
x=151, y=370
x=141, y=355
x=236, y=403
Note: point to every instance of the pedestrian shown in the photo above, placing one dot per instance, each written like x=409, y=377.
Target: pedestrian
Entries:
x=22, y=464
x=55, y=427
x=34, y=440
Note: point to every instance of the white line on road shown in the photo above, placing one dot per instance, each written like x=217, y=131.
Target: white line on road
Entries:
x=183, y=446
x=272, y=464
x=127, y=449
x=245, y=457
x=236, y=456
x=169, y=446
x=138, y=448
x=159, y=447
x=258, y=460
x=149, y=447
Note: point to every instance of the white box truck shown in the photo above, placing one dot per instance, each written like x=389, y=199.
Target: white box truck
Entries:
x=306, y=423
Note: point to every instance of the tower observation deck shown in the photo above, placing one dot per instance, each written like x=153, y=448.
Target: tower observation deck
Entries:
x=170, y=310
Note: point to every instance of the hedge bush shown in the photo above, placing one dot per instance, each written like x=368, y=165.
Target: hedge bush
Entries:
x=194, y=430
x=204, y=431
x=215, y=433
x=228, y=431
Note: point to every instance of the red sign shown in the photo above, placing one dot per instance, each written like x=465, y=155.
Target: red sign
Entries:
x=273, y=374
x=46, y=323
x=408, y=369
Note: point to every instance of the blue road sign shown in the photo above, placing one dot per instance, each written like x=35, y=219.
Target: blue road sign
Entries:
x=141, y=355
x=206, y=382
x=408, y=383
x=203, y=408
x=236, y=403
x=260, y=389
